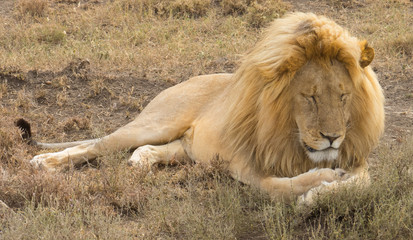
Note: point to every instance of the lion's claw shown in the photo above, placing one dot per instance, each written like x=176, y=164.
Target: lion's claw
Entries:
x=340, y=172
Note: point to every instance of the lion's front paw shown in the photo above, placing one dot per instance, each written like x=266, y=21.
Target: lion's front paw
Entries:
x=47, y=161
x=307, y=199
x=328, y=175
x=333, y=179
x=143, y=157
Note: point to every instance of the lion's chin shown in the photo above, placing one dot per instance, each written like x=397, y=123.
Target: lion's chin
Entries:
x=329, y=154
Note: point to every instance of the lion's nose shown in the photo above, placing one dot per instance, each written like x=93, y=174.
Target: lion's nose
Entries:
x=331, y=137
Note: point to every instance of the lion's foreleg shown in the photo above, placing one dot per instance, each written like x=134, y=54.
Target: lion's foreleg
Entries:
x=147, y=155
x=288, y=188
x=302, y=183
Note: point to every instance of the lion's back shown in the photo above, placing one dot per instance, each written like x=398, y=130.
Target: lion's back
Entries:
x=185, y=101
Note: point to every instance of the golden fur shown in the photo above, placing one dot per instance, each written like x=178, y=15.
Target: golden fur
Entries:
x=287, y=45
x=252, y=119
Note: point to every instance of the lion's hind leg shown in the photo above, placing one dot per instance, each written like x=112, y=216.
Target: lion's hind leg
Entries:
x=74, y=155
x=147, y=155
x=135, y=134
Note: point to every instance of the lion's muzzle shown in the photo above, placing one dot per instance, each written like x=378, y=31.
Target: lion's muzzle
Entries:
x=326, y=147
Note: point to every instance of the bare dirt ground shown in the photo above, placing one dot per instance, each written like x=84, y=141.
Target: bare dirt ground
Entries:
x=69, y=100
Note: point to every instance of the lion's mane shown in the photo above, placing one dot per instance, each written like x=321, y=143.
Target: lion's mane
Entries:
x=260, y=125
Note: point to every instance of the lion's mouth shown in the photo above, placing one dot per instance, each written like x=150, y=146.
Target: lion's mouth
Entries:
x=312, y=150
x=327, y=154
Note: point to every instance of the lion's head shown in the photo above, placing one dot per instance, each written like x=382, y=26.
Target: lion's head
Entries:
x=306, y=98
x=320, y=107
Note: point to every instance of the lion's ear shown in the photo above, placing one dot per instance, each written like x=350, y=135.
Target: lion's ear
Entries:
x=367, y=54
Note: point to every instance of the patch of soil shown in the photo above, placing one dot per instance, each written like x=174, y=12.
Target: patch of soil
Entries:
x=77, y=102
x=6, y=7
x=398, y=90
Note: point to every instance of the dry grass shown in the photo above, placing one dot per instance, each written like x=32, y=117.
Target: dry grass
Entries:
x=345, y=3
x=61, y=98
x=403, y=45
x=201, y=8
x=34, y=8
x=128, y=35
x=387, y=26
x=76, y=123
x=98, y=86
x=50, y=34
x=131, y=102
x=3, y=89
x=24, y=100
x=260, y=13
x=172, y=40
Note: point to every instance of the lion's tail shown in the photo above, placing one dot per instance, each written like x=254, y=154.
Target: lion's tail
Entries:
x=61, y=145
x=26, y=134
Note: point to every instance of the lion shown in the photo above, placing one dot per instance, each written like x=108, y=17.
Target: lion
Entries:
x=303, y=110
